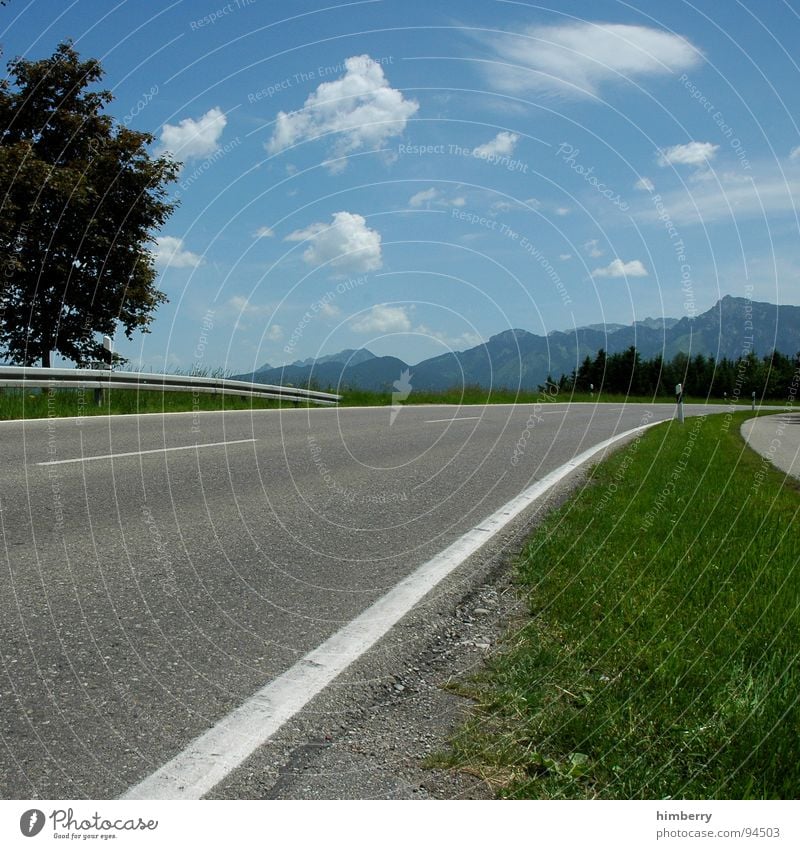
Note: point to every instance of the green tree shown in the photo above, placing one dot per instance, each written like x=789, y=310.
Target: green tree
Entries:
x=80, y=198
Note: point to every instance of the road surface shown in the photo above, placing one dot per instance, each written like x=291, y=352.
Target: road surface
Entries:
x=159, y=570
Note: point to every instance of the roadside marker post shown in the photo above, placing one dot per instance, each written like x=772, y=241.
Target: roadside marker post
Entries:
x=754, y=402
x=679, y=400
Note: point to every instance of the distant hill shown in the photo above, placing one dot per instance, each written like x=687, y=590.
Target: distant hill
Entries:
x=519, y=359
x=657, y=323
x=350, y=357
x=347, y=357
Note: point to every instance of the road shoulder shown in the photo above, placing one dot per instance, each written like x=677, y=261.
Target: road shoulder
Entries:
x=367, y=736
x=777, y=438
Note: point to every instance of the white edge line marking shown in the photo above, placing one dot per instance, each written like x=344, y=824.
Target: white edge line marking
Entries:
x=456, y=419
x=216, y=753
x=147, y=451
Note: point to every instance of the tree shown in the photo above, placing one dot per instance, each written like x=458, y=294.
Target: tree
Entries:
x=79, y=198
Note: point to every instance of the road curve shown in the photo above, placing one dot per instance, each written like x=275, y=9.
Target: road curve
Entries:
x=159, y=570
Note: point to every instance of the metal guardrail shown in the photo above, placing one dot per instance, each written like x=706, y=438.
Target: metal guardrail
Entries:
x=45, y=378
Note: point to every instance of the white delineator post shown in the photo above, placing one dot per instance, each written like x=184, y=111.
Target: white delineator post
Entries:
x=109, y=346
x=754, y=401
x=679, y=400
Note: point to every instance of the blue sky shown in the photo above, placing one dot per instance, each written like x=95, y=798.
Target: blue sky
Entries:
x=415, y=177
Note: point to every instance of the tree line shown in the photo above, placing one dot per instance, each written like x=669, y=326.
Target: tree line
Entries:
x=775, y=376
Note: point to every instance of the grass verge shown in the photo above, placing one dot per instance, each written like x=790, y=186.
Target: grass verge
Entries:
x=660, y=659
x=71, y=402
x=16, y=404
x=480, y=395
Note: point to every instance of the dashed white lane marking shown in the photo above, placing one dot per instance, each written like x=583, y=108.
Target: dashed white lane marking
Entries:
x=147, y=451
x=456, y=419
x=216, y=753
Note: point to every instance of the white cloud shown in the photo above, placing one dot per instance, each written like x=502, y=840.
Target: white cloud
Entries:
x=644, y=184
x=383, y=318
x=578, y=58
x=170, y=253
x=794, y=153
x=192, y=139
x=274, y=332
x=244, y=306
x=618, y=268
x=502, y=144
x=564, y=257
x=263, y=233
x=693, y=153
x=330, y=310
x=513, y=205
x=563, y=210
x=347, y=244
x=422, y=198
x=763, y=192
x=593, y=249
x=433, y=197
x=455, y=343
x=361, y=106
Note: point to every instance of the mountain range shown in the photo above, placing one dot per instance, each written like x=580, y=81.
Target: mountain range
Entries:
x=520, y=359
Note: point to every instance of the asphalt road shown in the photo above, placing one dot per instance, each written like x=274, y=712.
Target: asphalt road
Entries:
x=149, y=593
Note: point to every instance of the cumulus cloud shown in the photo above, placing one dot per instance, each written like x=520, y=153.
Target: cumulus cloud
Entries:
x=693, y=153
x=502, y=144
x=564, y=257
x=192, y=139
x=361, y=106
x=346, y=244
x=578, y=58
x=263, y=233
x=794, y=153
x=274, y=332
x=170, y=253
x=618, y=268
x=644, y=184
x=383, y=318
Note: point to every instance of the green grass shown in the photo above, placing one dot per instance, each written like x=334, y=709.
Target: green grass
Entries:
x=479, y=395
x=16, y=404
x=660, y=657
x=63, y=402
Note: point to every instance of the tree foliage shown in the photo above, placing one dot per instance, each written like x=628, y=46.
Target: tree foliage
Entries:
x=774, y=376
x=80, y=196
